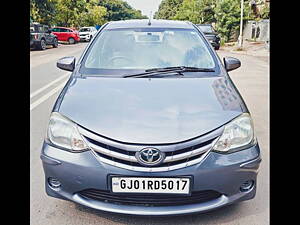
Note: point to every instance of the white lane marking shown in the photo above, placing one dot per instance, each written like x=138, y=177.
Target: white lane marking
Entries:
x=48, y=85
x=46, y=96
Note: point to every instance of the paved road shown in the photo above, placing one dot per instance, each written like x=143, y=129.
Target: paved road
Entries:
x=252, y=80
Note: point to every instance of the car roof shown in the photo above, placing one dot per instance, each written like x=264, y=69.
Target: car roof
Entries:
x=64, y=28
x=144, y=23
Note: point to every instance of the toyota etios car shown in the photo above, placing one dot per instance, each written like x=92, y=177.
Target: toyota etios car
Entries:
x=150, y=123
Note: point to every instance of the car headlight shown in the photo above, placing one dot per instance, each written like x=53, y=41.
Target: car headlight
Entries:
x=237, y=134
x=63, y=133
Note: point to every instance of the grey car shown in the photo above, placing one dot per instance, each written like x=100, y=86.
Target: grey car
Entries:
x=41, y=36
x=150, y=123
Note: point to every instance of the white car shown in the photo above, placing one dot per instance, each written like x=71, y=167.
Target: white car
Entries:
x=87, y=33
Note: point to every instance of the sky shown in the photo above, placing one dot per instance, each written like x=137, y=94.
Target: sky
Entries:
x=146, y=6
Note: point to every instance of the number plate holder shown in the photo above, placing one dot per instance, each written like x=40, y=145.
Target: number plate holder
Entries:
x=180, y=185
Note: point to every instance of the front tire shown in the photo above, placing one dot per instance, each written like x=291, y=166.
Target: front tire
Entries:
x=55, y=43
x=71, y=41
x=42, y=45
x=217, y=47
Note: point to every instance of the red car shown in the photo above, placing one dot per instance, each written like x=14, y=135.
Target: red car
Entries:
x=66, y=34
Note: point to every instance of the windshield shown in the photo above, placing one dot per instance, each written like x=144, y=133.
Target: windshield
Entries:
x=206, y=29
x=84, y=30
x=147, y=48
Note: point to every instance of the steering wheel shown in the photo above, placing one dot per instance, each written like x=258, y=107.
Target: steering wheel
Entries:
x=119, y=57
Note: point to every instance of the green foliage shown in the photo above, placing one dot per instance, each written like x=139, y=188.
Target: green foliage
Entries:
x=265, y=13
x=197, y=11
x=228, y=14
x=42, y=11
x=93, y=14
x=225, y=14
x=68, y=12
x=120, y=10
x=34, y=11
x=77, y=13
x=168, y=9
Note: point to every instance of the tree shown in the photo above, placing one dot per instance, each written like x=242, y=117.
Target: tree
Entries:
x=68, y=12
x=42, y=11
x=227, y=14
x=224, y=13
x=168, y=9
x=197, y=11
x=93, y=15
x=120, y=10
x=34, y=11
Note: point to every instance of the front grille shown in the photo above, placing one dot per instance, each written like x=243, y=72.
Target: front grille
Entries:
x=121, y=155
x=149, y=199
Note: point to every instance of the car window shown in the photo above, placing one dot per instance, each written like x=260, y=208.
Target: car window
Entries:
x=40, y=29
x=206, y=29
x=56, y=29
x=61, y=30
x=148, y=48
x=84, y=30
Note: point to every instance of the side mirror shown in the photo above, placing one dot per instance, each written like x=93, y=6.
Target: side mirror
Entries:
x=66, y=63
x=231, y=63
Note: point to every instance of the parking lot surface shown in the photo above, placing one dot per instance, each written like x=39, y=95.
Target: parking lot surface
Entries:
x=46, y=81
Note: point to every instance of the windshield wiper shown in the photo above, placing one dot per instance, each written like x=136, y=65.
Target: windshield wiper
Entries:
x=166, y=70
x=181, y=68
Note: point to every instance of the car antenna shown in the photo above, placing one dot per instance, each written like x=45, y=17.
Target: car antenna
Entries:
x=149, y=22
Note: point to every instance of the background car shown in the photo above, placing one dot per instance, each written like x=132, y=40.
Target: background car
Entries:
x=41, y=36
x=87, y=33
x=210, y=34
x=66, y=34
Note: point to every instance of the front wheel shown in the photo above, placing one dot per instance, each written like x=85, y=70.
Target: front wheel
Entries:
x=42, y=45
x=90, y=38
x=217, y=47
x=71, y=41
x=55, y=43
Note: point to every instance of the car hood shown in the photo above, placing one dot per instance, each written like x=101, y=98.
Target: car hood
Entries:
x=151, y=111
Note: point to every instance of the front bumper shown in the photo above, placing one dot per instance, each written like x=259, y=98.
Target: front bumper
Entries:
x=34, y=43
x=84, y=38
x=224, y=173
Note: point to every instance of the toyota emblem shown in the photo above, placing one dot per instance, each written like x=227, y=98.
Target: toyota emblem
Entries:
x=150, y=156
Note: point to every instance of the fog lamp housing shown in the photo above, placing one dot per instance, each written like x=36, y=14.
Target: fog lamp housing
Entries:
x=53, y=182
x=246, y=186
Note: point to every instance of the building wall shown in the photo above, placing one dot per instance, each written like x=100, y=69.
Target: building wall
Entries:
x=262, y=32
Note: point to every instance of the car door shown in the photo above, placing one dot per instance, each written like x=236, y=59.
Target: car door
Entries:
x=56, y=31
x=65, y=34
x=48, y=36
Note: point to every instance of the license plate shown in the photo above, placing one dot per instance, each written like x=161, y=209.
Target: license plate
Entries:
x=151, y=185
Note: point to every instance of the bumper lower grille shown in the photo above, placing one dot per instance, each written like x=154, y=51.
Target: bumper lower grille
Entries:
x=149, y=199
x=178, y=155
